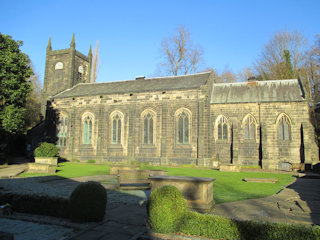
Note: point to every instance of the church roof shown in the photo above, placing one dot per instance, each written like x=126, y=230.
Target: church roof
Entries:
x=258, y=91
x=193, y=81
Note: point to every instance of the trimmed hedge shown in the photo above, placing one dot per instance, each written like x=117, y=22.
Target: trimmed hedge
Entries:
x=165, y=208
x=88, y=202
x=165, y=219
x=35, y=204
x=218, y=227
x=46, y=150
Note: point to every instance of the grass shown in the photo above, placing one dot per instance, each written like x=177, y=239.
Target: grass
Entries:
x=72, y=170
x=228, y=186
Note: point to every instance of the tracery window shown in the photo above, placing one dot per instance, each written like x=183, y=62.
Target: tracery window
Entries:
x=62, y=131
x=284, y=128
x=148, y=128
x=183, y=131
x=87, y=129
x=222, y=125
x=116, y=129
x=250, y=126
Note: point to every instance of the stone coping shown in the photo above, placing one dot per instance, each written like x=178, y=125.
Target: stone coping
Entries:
x=261, y=180
x=182, y=178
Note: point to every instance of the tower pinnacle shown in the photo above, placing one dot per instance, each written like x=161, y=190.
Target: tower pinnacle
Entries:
x=49, y=48
x=73, y=42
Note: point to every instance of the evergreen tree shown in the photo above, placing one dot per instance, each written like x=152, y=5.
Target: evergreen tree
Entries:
x=15, y=71
x=288, y=71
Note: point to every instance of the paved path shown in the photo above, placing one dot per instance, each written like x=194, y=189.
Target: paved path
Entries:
x=13, y=170
x=298, y=203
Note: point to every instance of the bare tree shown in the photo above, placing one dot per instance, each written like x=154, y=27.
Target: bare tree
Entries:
x=179, y=54
x=312, y=77
x=284, y=53
x=245, y=74
x=95, y=63
x=227, y=76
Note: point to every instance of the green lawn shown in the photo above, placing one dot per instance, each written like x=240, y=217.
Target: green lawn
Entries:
x=228, y=186
x=71, y=170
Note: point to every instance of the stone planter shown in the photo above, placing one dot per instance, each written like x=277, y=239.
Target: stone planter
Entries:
x=115, y=168
x=46, y=160
x=198, y=192
x=41, y=168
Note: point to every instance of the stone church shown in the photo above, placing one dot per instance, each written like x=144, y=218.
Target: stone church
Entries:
x=176, y=120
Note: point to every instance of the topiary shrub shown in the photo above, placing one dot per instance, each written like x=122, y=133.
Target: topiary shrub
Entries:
x=166, y=206
x=46, y=150
x=88, y=202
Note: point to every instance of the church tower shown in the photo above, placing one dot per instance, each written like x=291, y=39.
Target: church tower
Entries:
x=64, y=69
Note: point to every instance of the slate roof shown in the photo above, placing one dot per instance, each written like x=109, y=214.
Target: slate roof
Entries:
x=193, y=81
x=258, y=91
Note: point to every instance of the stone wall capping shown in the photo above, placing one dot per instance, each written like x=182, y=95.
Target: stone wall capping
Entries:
x=183, y=178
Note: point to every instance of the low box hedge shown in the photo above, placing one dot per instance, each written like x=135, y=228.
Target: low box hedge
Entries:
x=35, y=204
x=217, y=227
x=86, y=203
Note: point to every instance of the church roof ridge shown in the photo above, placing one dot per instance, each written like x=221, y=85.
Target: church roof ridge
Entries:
x=151, y=78
x=191, y=81
x=258, y=91
x=260, y=82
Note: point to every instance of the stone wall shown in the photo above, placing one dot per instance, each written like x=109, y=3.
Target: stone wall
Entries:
x=266, y=149
x=163, y=105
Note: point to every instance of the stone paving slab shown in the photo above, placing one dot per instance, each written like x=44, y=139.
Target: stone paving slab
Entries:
x=123, y=221
x=13, y=170
x=23, y=230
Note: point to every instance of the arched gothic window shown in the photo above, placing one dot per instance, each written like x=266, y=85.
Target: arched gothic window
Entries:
x=116, y=129
x=62, y=130
x=284, y=127
x=58, y=71
x=148, y=128
x=222, y=125
x=87, y=129
x=59, y=65
x=250, y=126
x=80, y=73
x=183, y=130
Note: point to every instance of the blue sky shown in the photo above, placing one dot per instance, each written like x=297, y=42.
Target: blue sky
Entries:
x=231, y=33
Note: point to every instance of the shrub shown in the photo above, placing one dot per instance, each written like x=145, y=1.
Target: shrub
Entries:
x=46, y=150
x=91, y=161
x=166, y=207
x=217, y=227
x=250, y=230
x=88, y=202
x=212, y=226
x=167, y=214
